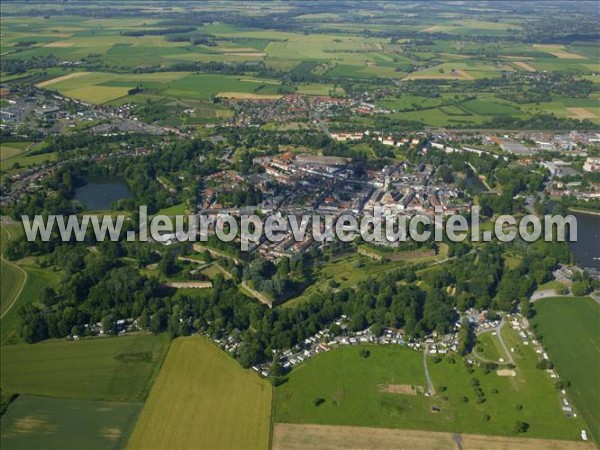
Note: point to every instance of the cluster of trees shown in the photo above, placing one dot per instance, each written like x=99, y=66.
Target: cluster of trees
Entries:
x=157, y=31
x=94, y=289
x=482, y=279
x=284, y=279
x=242, y=196
x=14, y=65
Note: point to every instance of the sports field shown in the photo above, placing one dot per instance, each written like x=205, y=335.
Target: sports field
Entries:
x=371, y=392
x=65, y=424
x=570, y=331
x=203, y=399
x=115, y=369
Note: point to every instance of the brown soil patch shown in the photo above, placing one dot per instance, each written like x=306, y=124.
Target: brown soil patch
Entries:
x=245, y=54
x=190, y=284
x=329, y=437
x=59, y=44
x=506, y=373
x=456, y=75
x=567, y=55
x=524, y=65
x=63, y=78
x=405, y=389
x=558, y=51
x=33, y=424
x=245, y=95
x=581, y=113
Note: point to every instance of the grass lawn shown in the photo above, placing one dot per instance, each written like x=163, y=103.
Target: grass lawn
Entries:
x=12, y=277
x=37, y=280
x=202, y=398
x=175, y=210
x=349, y=270
x=115, y=368
x=10, y=149
x=52, y=423
x=489, y=347
x=27, y=160
x=569, y=328
x=12, y=281
x=352, y=388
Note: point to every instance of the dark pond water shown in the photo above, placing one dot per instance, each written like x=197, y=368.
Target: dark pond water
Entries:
x=587, y=247
x=99, y=193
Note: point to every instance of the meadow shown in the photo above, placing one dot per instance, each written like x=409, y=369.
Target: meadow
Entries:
x=353, y=392
x=489, y=348
x=569, y=330
x=202, y=398
x=11, y=149
x=53, y=423
x=21, y=283
x=12, y=277
x=111, y=369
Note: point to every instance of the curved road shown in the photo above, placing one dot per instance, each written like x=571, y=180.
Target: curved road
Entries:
x=498, y=331
x=25, y=275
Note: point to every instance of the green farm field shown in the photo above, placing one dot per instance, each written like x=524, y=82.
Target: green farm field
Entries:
x=113, y=369
x=103, y=87
x=67, y=424
x=569, y=328
x=202, y=398
x=354, y=392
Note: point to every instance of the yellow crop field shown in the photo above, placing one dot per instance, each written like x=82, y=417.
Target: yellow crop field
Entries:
x=201, y=399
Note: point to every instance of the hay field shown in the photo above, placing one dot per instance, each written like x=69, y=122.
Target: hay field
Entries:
x=581, y=113
x=525, y=66
x=327, y=437
x=203, y=399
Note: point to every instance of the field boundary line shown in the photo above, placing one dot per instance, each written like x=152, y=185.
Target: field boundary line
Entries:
x=25, y=276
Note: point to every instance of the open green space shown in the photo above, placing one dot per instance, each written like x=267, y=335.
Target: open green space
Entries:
x=352, y=390
x=114, y=369
x=53, y=423
x=11, y=149
x=489, y=348
x=12, y=276
x=202, y=398
x=569, y=328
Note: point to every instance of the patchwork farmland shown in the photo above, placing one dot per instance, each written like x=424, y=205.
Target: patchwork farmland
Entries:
x=203, y=399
